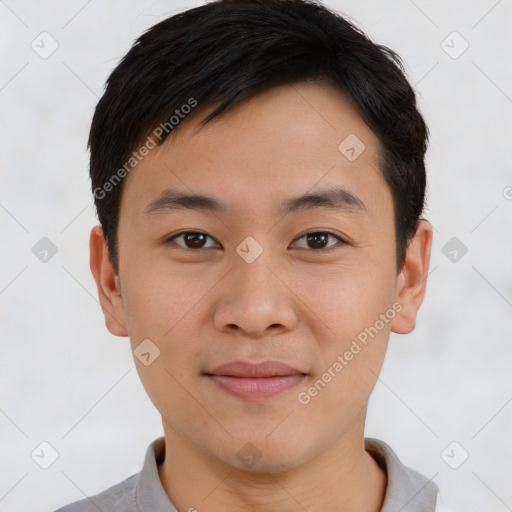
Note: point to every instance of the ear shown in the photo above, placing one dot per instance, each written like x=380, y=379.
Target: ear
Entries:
x=107, y=282
x=412, y=280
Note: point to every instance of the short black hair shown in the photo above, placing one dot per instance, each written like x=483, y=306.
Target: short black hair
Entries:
x=227, y=51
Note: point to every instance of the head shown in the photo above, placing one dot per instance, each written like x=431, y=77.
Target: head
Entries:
x=258, y=172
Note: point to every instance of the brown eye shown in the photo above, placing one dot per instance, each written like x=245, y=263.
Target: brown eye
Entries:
x=316, y=240
x=191, y=240
x=319, y=240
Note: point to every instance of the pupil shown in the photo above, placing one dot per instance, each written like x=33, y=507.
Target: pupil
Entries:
x=194, y=240
x=317, y=240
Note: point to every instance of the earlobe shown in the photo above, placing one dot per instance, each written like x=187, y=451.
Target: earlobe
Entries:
x=412, y=280
x=107, y=283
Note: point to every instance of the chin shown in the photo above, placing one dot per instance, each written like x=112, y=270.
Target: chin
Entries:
x=260, y=454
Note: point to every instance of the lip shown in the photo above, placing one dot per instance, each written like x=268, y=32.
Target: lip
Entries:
x=244, y=369
x=255, y=381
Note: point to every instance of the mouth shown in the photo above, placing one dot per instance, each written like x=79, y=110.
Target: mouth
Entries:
x=255, y=381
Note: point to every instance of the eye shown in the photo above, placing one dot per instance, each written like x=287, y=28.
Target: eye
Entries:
x=318, y=240
x=191, y=240
x=315, y=240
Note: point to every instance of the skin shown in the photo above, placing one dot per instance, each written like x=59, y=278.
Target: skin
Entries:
x=205, y=307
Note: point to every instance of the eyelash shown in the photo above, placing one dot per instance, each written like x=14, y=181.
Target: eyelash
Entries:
x=325, y=249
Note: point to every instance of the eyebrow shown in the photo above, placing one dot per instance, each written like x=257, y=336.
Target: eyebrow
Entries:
x=333, y=198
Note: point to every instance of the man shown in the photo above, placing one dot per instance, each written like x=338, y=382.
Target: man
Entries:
x=258, y=173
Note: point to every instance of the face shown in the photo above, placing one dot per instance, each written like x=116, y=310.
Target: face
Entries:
x=268, y=306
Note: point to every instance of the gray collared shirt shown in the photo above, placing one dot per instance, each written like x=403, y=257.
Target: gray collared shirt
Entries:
x=407, y=490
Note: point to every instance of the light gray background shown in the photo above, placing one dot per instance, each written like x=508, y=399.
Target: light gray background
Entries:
x=67, y=381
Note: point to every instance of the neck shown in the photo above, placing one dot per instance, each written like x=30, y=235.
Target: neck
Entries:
x=343, y=478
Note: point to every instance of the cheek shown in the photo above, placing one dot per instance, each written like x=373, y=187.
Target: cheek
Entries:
x=355, y=305
x=342, y=384
x=159, y=307
x=167, y=307
x=345, y=298
x=158, y=299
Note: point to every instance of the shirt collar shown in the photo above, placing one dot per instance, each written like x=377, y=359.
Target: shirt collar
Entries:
x=407, y=490
x=150, y=494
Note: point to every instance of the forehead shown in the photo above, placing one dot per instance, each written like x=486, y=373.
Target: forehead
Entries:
x=280, y=143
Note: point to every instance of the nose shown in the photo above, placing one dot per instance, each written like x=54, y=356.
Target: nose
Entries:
x=255, y=301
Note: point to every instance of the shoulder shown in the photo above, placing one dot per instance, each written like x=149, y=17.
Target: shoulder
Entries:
x=407, y=489
x=119, y=497
x=141, y=491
